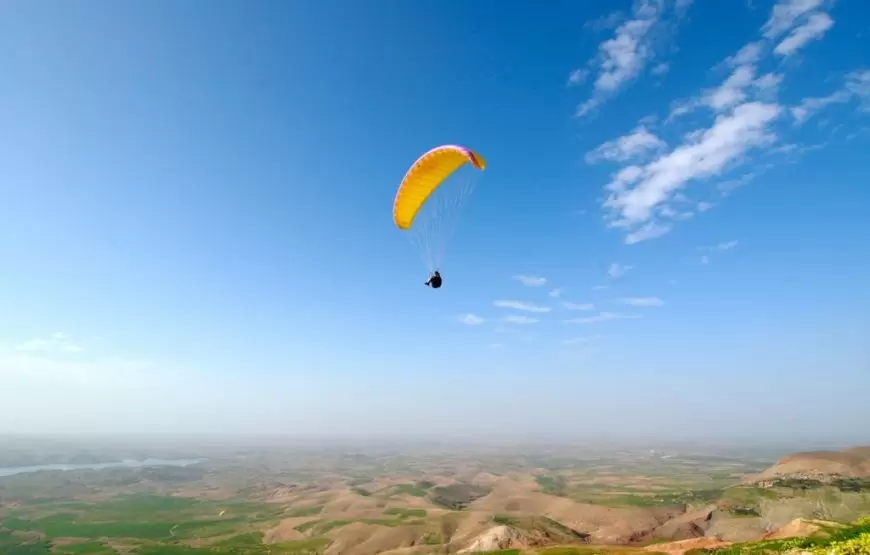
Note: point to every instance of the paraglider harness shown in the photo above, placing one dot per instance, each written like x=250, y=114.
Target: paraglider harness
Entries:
x=434, y=280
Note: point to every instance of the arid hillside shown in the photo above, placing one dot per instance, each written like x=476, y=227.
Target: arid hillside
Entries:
x=824, y=466
x=413, y=500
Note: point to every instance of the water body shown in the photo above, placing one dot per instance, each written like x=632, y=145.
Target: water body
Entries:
x=9, y=471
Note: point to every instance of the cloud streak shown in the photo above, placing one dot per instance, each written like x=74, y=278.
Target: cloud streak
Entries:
x=621, y=58
x=720, y=247
x=637, y=191
x=579, y=306
x=519, y=319
x=531, y=281
x=616, y=271
x=519, y=305
x=56, y=343
x=642, y=301
x=602, y=317
x=470, y=319
x=636, y=145
x=641, y=198
x=816, y=26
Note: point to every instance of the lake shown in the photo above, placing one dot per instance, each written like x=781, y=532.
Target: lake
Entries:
x=99, y=466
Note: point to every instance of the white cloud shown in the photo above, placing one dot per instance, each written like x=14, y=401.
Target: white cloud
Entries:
x=642, y=301
x=48, y=361
x=622, y=58
x=661, y=68
x=519, y=305
x=531, y=281
x=768, y=85
x=578, y=76
x=557, y=292
x=637, y=144
x=857, y=85
x=815, y=27
x=727, y=186
x=736, y=89
x=582, y=340
x=616, y=270
x=747, y=55
x=648, y=231
x=519, y=319
x=733, y=90
x=606, y=22
x=579, y=306
x=785, y=14
x=471, y=319
x=602, y=317
x=811, y=105
x=723, y=246
x=636, y=191
x=599, y=287
x=705, y=260
x=640, y=196
x=55, y=343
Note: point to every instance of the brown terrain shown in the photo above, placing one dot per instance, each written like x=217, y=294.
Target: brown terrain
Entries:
x=642, y=502
x=484, y=511
x=819, y=465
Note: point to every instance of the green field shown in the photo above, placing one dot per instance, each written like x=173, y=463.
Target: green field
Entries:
x=146, y=524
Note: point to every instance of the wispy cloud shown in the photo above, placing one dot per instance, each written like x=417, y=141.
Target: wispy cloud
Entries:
x=637, y=145
x=621, y=58
x=634, y=195
x=582, y=340
x=661, y=68
x=531, y=281
x=57, y=359
x=802, y=20
x=705, y=260
x=648, y=231
x=579, y=306
x=602, y=317
x=470, y=319
x=616, y=270
x=640, y=196
x=519, y=319
x=519, y=305
x=642, y=301
x=785, y=14
x=811, y=105
x=723, y=246
x=599, y=287
x=55, y=343
x=856, y=85
x=749, y=54
x=557, y=292
x=816, y=26
x=578, y=76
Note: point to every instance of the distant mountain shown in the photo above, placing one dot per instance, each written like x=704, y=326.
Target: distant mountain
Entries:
x=818, y=466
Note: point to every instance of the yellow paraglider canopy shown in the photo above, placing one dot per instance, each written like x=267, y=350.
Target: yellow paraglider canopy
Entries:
x=425, y=175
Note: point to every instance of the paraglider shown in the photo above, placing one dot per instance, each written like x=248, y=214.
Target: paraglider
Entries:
x=434, y=280
x=426, y=176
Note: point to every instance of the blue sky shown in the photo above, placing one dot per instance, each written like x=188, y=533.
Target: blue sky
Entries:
x=670, y=238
